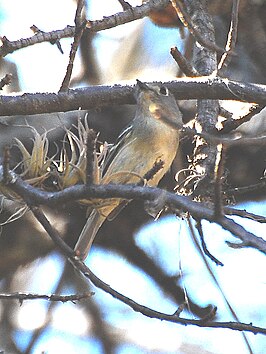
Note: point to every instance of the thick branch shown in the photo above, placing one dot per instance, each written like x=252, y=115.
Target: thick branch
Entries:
x=98, y=96
x=199, y=211
x=205, y=62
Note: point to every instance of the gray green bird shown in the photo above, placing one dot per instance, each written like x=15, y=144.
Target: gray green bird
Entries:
x=152, y=136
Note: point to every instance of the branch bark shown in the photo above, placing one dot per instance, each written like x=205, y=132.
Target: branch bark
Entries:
x=132, y=14
x=33, y=196
x=99, y=96
x=146, y=311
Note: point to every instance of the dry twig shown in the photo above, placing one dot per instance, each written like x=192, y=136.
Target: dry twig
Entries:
x=79, y=29
x=231, y=39
x=83, y=269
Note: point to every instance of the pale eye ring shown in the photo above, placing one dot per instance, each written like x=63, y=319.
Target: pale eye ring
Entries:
x=163, y=91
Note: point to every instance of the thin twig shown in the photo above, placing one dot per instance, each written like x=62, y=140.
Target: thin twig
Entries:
x=231, y=124
x=125, y=5
x=226, y=140
x=248, y=189
x=117, y=19
x=245, y=214
x=231, y=38
x=183, y=63
x=53, y=297
x=187, y=22
x=36, y=30
x=232, y=311
x=204, y=246
x=224, y=113
x=158, y=165
x=146, y=311
x=51, y=305
x=79, y=29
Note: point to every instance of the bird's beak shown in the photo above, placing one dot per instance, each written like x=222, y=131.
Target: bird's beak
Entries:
x=142, y=85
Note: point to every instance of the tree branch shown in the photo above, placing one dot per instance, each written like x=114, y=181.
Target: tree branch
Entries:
x=33, y=196
x=146, y=311
x=132, y=14
x=99, y=96
x=231, y=39
x=79, y=29
x=58, y=298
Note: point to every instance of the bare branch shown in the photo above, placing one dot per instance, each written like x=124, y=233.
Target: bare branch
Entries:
x=247, y=189
x=99, y=96
x=183, y=63
x=231, y=123
x=132, y=14
x=125, y=5
x=34, y=196
x=232, y=311
x=245, y=214
x=79, y=29
x=49, y=308
x=231, y=39
x=204, y=246
x=146, y=311
x=187, y=22
x=58, y=298
x=36, y=30
x=227, y=140
x=40, y=37
x=120, y=18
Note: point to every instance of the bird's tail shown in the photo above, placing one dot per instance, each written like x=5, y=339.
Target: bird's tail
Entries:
x=94, y=222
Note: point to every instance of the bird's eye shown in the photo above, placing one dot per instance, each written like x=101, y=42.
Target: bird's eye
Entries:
x=164, y=91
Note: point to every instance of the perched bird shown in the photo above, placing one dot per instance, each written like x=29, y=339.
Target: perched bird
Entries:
x=152, y=136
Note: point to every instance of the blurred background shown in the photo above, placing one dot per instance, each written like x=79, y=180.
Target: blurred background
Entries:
x=157, y=263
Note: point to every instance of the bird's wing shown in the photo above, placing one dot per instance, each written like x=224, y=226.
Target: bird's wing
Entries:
x=117, y=210
x=120, y=142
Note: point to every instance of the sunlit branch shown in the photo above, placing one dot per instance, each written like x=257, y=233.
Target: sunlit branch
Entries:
x=231, y=39
x=99, y=96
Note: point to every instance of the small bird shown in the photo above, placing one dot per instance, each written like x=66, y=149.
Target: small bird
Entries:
x=152, y=136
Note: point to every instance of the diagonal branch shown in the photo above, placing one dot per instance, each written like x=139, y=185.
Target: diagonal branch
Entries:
x=187, y=21
x=146, y=311
x=79, y=29
x=231, y=40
